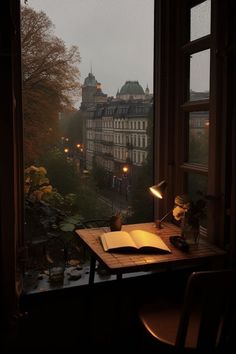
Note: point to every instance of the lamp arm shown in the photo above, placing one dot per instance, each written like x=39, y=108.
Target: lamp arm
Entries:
x=165, y=216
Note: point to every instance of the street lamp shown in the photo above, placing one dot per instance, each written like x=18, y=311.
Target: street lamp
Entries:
x=125, y=169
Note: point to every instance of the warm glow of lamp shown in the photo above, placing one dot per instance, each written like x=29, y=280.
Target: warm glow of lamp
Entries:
x=66, y=150
x=158, y=189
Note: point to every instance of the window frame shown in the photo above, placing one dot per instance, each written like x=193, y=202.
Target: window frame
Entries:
x=172, y=28
x=12, y=248
x=167, y=72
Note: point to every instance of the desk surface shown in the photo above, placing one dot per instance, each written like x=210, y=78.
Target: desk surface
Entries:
x=118, y=263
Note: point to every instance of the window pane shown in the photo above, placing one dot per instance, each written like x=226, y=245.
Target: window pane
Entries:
x=200, y=20
x=197, y=189
x=198, y=137
x=199, y=75
x=197, y=185
x=87, y=94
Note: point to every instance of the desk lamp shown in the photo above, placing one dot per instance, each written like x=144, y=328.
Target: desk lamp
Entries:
x=176, y=240
x=158, y=191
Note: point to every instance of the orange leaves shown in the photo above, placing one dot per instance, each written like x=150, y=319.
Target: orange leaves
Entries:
x=50, y=81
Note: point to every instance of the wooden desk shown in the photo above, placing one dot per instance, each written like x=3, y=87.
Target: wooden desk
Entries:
x=120, y=263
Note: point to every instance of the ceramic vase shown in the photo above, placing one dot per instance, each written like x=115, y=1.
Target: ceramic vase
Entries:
x=116, y=222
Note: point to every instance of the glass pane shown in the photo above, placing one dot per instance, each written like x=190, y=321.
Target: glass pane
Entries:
x=197, y=189
x=198, y=137
x=200, y=20
x=197, y=185
x=87, y=118
x=199, y=75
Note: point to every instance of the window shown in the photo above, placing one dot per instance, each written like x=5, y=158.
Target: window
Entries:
x=47, y=92
x=196, y=74
x=174, y=156
x=194, y=153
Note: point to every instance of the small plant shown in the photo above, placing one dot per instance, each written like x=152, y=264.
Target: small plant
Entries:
x=189, y=213
x=188, y=209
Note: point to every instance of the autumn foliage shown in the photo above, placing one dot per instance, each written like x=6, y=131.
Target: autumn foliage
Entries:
x=50, y=82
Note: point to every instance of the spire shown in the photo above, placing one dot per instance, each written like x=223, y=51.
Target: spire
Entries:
x=147, y=90
x=91, y=68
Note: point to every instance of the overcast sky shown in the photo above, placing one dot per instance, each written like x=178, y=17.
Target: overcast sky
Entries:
x=115, y=37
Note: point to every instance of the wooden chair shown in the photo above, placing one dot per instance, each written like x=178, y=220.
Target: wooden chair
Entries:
x=205, y=322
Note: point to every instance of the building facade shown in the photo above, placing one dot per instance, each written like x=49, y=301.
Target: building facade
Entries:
x=116, y=128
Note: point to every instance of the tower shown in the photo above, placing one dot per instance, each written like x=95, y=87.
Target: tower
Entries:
x=89, y=89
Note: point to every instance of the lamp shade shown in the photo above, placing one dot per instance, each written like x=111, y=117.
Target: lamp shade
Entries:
x=158, y=189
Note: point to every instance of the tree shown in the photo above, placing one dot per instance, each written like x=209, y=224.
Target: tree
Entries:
x=72, y=126
x=50, y=81
x=56, y=164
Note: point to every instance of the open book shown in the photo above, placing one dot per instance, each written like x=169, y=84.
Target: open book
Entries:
x=136, y=240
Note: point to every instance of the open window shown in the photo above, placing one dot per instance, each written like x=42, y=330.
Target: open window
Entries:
x=178, y=52
x=192, y=144
x=88, y=118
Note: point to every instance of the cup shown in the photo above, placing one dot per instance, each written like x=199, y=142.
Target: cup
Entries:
x=116, y=223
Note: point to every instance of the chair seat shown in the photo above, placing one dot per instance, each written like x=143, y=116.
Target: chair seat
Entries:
x=203, y=324
x=162, y=322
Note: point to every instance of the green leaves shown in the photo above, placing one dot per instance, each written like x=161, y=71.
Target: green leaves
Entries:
x=71, y=222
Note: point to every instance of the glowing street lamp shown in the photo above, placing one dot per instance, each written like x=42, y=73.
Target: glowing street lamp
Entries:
x=66, y=150
x=125, y=169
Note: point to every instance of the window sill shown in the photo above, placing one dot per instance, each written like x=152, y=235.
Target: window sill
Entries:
x=39, y=282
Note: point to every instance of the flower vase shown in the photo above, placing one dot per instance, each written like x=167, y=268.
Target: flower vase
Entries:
x=190, y=231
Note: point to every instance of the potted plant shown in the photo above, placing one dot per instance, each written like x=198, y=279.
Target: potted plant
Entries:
x=189, y=213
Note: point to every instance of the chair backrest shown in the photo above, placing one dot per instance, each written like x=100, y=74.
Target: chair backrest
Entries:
x=212, y=296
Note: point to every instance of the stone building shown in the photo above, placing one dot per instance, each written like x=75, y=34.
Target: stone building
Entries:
x=115, y=128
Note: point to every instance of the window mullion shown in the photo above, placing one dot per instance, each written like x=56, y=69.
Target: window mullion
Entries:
x=201, y=105
x=197, y=45
x=197, y=168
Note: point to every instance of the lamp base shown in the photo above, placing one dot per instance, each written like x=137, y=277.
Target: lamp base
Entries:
x=158, y=224
x=159, y=221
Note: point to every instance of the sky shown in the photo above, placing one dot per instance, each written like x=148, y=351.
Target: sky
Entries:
x=115, y=37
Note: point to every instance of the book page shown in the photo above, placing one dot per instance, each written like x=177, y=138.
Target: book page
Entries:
x=147, y=239
x=116, y=239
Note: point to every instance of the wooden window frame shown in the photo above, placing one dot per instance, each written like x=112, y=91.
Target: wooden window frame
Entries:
x=167, y=105
x=171, y=105
x=11, y=174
